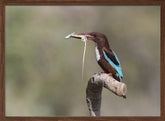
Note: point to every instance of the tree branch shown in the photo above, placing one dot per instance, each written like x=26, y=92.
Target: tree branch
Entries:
x=94, y=90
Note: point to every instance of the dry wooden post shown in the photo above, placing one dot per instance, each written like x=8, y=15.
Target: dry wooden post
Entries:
x=94, y=90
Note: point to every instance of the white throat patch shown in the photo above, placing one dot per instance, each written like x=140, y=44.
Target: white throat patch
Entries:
x=97, y=53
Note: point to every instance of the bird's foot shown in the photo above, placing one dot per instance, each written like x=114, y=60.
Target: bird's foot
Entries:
x=99, y=73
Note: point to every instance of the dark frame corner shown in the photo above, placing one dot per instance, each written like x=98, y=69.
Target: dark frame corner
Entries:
x=3, y=3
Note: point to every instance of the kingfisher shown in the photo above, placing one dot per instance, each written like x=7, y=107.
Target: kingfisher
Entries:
x=105, y=56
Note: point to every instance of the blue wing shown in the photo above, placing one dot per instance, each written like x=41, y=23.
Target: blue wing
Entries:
x=114, y=62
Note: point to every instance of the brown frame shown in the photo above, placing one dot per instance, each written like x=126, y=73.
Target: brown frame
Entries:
x=3, y=3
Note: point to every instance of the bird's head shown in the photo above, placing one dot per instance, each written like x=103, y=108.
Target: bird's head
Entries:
x=96, y=37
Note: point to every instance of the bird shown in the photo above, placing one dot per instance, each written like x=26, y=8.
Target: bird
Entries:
x=105, y=56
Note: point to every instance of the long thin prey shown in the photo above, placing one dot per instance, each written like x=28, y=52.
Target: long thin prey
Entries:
x=84, y=39
x=83, y=58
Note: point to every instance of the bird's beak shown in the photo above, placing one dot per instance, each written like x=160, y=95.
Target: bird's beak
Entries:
x=81, y=36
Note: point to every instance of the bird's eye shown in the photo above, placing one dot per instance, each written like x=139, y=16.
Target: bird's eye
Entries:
x=94, y=35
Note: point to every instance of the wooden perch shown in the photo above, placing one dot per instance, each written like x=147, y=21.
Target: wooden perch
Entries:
x=94, y=90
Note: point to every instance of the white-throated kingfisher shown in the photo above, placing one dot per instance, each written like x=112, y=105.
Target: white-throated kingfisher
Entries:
x=105, y=56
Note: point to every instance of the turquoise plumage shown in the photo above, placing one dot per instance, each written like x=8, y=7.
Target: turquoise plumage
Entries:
x=115, y=66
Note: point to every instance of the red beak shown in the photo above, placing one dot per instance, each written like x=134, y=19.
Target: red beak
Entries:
x=78, y=36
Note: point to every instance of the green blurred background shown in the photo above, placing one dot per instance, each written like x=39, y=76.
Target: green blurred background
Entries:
x=43, y=69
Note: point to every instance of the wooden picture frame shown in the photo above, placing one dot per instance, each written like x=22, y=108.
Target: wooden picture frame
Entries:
x=3, y=3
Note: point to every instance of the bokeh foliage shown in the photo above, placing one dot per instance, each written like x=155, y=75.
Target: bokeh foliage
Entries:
x=43, y=70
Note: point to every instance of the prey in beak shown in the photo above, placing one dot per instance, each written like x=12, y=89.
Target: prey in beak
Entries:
x=83, y=36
